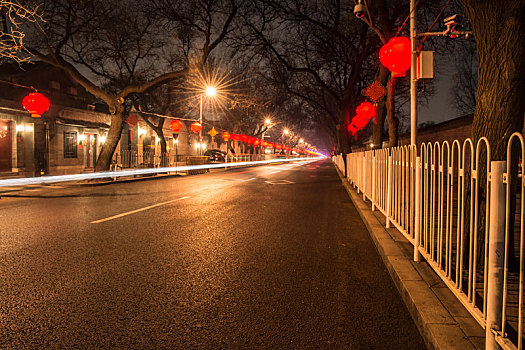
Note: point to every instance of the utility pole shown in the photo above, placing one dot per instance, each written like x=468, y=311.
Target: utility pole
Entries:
x=200, y=131
x=413, y=75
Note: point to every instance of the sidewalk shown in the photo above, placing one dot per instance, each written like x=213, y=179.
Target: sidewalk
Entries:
x=441, y=319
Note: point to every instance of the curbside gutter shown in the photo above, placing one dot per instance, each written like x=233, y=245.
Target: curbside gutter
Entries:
x=441, y=319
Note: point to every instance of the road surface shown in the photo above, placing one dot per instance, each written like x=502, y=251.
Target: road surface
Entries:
x=271, y=257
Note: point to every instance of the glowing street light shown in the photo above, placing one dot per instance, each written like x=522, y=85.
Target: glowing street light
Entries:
x=210, y=91
x=267, y=121
x=286, y=131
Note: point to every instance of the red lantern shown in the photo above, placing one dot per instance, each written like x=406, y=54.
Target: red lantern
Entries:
x=367, y=110
x=265, y=144
x=36, y=104
x=175, y=125
x=196, y=127
x=395, y=55
x=226, y=136
x=257, y=142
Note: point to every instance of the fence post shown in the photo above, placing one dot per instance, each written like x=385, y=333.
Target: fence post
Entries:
x=364, y=176
x=496, y=252
x=388, y=191
x=417, y=211
x=373, y=181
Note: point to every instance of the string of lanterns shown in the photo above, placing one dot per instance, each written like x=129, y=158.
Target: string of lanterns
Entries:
x=395, y=56
x=37, y=104
x=176, y=125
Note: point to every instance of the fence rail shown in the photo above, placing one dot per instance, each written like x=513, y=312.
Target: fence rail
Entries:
x=460, y=210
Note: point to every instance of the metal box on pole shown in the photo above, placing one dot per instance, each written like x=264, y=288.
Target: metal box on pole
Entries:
x=425, y=65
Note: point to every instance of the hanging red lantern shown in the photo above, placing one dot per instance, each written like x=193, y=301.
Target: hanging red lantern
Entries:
x=395, y=55
x=196, y=127
x=226, y=136
x=175, y=125
x=367, y=110
x=257, y=142
x=36, y=104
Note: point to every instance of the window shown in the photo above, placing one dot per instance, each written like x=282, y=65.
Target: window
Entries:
x=70, y=144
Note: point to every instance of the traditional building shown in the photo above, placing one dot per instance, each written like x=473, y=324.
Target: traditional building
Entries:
x=65, y=140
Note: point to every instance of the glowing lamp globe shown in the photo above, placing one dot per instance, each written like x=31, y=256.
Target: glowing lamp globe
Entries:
x=36, y=104
x=196, y=127
x=175, y=125
x=395, y=55
x=226, y=136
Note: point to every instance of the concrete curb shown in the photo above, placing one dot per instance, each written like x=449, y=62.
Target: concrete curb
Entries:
x=441, y=319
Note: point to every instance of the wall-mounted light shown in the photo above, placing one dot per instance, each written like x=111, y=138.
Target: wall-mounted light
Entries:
x=81, y=138
x=20, y=128
x=102, y=138
x=142, y=132
x=197, y=145
x=203, y=146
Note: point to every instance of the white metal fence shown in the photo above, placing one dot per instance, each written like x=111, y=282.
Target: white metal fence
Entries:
x=460, y=210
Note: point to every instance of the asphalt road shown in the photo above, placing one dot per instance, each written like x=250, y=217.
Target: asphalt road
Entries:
x=273, y=257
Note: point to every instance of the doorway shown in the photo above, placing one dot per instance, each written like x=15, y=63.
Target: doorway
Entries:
x=91, y=158
x=5, y=146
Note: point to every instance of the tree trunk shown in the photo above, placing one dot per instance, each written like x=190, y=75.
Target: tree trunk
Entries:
x=377, y=130
x=499, y=29
x=393, y=121
x=108, y=149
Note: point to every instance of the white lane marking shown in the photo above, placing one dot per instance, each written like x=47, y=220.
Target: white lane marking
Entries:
x=275, y=172
x=280, y=182
x=138, y=210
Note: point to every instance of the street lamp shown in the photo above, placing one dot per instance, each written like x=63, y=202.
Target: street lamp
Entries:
x=210, y=91
x=285, y=132
x=268, y=123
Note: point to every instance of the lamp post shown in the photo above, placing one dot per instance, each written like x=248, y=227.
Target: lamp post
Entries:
x=285, y=132
x=267, y=122
x=210, y=91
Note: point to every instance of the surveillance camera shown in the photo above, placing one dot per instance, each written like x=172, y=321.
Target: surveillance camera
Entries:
x=359, y=10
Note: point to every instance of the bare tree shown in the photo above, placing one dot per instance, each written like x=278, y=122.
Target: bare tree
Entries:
x=13, y=16
x=324, y=55
x=465, y=79
x=117, y=49
x=499, y=29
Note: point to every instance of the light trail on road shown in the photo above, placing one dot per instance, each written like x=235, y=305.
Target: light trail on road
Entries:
x=113, y=174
